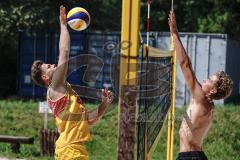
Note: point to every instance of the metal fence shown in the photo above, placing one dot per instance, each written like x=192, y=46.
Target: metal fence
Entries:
x=208, y=52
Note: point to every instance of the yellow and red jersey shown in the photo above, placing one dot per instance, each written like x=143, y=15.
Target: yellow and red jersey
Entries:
x=70, y=118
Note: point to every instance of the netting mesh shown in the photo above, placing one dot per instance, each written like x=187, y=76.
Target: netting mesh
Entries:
x=154, y=100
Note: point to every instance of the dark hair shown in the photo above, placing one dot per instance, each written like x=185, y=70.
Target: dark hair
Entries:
x=36, y=73
x=224, y=85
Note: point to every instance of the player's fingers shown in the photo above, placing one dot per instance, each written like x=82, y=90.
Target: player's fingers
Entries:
x=105, y=90
x=109, y=93
x=102, y=91
x=110, y=99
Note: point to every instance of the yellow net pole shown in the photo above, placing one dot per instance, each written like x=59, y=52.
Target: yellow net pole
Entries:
x=129, y=34
x=171, y=116
x=128, y=78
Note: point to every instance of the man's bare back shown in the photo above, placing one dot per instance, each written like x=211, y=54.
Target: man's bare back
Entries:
x=195, y=125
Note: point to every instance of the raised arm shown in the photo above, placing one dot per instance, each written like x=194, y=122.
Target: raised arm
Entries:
x=96, y=115
x=185, y=63
x=59, y=76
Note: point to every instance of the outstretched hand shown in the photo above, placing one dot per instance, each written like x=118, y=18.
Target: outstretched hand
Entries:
x=107, y=96
x=62, y=15
x=172, y=23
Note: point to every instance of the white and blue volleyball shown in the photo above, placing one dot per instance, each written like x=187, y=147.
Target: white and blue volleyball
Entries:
x=78, y=18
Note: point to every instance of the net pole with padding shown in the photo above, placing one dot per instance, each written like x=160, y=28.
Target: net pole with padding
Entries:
x=171, y=116
x=128, y=78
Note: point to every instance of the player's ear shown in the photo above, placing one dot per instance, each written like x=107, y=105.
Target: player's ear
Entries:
x=213, y=90
x=45, y=77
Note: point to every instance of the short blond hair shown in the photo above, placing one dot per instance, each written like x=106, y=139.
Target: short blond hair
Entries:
x=224, y=85
x=36, y=73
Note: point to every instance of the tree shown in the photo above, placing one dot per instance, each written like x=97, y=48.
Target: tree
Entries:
x=209, y=16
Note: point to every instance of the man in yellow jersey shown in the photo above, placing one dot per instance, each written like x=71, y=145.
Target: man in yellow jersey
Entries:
x=70, y=114
x=198, y=117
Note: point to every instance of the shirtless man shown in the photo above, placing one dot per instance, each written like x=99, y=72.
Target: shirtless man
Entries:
x=198, y=117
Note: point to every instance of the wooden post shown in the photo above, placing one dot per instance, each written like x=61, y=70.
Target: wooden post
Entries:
x=47, y=141
x=15, y=147
x=128, y=78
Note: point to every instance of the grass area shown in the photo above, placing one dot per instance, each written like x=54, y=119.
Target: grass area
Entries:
x=222, y=141
x=22, y=118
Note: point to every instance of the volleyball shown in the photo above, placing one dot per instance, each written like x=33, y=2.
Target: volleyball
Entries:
x=78, y=18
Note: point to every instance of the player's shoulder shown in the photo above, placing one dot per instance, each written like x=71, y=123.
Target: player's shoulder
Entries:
x=204, y=104
x=56, y=93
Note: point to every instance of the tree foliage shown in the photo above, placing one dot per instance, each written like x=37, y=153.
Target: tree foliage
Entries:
x=209, y=16
x=192, y=15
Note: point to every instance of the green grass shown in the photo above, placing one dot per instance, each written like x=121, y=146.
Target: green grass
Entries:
x=222, y=141
x=22, y=119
